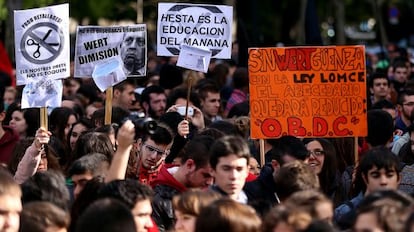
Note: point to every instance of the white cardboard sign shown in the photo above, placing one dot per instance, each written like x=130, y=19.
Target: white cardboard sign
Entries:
x=194, y=58
x=195, y=25
x=110, y=54
x=42, y=43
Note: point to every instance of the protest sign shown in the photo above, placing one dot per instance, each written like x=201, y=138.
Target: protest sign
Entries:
x=194, y=58
x=308, y=91
x=196, y=25
x=42, y=43
x=42, y=93
x=108, y=73
x=123, y=48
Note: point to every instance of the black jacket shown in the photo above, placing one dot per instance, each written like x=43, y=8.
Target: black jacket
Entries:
x=262, y=191
x=165, y=188
x=162, y=210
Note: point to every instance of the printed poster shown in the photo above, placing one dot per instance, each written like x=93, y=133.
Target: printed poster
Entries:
x=42, y=93
x=42, y=43
x=110, y=54
x=195, y=25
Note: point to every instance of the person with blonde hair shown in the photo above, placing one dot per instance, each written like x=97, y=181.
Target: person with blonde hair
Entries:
x=188, y=205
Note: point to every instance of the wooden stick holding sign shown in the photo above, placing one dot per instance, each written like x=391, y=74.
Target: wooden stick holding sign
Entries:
x=108, y=105
x=43, y=117
x=262, y=153
x=189, y=83
x=356, y=155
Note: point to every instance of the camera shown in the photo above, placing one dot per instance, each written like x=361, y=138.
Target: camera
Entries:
x=142, y=125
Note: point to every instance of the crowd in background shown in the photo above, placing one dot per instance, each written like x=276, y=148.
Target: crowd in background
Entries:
x=157, y=168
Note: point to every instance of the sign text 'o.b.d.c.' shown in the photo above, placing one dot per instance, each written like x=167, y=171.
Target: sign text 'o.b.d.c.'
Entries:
x=308, y=91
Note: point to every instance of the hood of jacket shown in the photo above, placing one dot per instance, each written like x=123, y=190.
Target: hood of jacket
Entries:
x=165, y=178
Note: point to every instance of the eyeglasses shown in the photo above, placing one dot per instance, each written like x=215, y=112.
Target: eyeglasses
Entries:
x=152, y=149
x=316, y=153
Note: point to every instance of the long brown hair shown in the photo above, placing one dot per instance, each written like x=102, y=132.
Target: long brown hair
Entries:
x=329, y=173
x=20, y=149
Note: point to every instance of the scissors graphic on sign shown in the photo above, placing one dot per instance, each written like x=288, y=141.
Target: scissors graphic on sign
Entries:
x=32, y=42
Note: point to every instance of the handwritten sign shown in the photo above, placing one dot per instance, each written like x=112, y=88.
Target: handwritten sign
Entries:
x=204, y=26
x=42, y=43
x=308, y=91
x=99, y=46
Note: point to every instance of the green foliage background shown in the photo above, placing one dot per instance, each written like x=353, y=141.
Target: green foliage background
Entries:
x=265, y=22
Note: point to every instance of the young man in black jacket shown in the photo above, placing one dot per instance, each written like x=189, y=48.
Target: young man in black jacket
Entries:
x=262, y=191
x=194, y=172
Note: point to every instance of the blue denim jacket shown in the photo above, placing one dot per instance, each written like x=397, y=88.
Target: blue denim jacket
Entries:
x=347, y=207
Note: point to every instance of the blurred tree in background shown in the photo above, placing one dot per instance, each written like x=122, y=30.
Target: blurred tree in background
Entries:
x=259, y=23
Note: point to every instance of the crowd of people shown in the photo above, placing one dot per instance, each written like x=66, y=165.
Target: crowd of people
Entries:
x=157, y=168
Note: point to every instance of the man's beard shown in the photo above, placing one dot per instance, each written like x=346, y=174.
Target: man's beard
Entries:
x=152, y=113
